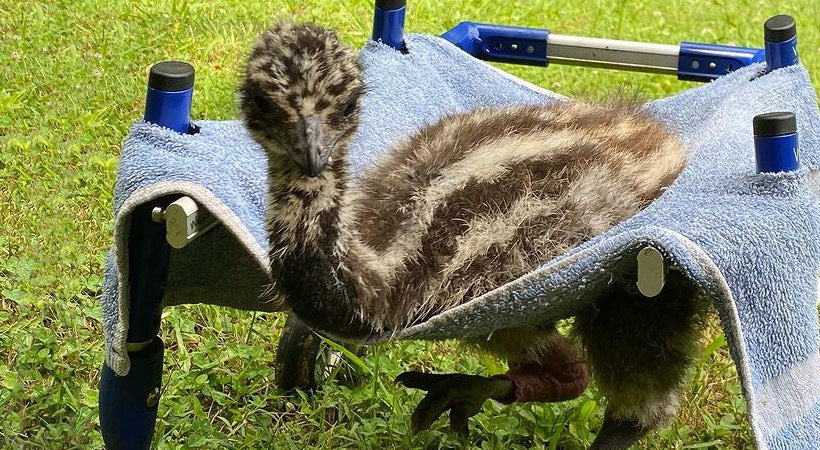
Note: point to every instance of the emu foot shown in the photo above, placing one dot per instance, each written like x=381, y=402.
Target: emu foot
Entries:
x=618, y=434
x=461, y=394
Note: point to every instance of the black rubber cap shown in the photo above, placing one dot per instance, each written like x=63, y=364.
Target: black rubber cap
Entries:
x=388, y=5
x=171, y=76
x=780, y=28
x=774, y=124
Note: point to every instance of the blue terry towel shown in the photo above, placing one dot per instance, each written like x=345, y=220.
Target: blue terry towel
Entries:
x=749, y=240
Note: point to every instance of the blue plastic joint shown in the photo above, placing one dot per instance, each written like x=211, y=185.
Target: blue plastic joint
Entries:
x=388, y=23
x=499, y=43
x=781, y=54
x=169, y=109
x=705, y=62
x=777, y=153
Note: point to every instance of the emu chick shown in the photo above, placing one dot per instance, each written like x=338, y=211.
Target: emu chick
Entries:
x=459, y=208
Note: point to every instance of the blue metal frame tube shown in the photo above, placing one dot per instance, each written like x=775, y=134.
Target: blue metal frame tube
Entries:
x=696, y=61
x=169, y=96
x=128, y=404
x=776, y=142
x=148, y=255
x=388, y=23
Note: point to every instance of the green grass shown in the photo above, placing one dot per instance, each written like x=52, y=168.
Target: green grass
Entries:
x=72, y=80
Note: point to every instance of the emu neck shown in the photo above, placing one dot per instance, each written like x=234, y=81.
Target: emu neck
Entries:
x=308, y=247
x=303, y=212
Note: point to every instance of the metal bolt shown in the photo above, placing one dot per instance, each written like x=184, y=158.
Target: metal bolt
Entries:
x=712, y=65
x=158, y=215
x=695, y=64
x=530, y=49
x=514, y=46
x=153, y=398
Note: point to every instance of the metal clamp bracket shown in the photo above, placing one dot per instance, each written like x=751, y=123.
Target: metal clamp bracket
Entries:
x=184, y=221
x=517, y=45
x=704, y=62
x=651, y=272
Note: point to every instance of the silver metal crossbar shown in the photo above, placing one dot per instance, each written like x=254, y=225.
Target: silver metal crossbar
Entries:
x=613, y=54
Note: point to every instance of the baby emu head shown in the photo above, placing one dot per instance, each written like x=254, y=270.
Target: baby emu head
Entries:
x=300, y=96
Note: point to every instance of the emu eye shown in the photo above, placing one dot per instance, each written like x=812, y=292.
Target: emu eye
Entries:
x=261, y=104
x=350, y=108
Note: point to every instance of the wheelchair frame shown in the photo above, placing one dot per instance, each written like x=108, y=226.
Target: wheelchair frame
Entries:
x=128, y=404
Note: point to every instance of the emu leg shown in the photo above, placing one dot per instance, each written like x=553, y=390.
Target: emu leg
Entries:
x=561, y=374
x=461, y=394
x=640, y=350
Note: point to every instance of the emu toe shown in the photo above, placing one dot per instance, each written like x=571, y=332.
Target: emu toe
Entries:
x=461, y=394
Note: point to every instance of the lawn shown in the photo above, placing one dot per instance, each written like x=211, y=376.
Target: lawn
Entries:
x=72, y=81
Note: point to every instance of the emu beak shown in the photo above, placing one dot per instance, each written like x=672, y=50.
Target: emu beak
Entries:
x=312, y=137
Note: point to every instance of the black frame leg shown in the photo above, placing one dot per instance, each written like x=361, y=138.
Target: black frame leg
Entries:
x=128, y=405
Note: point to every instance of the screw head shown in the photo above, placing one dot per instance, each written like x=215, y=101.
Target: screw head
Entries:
x=158, y=215
x=153, y=398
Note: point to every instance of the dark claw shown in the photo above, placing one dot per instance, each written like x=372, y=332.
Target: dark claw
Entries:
x=460, y=413
x=462, y=394
x=433, y=405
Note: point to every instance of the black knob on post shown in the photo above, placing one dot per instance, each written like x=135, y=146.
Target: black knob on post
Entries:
x=389, y=5
x=774, y=124
x=780, y=33
x=171, y=76
x=775, y=136
x=780, y=28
